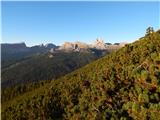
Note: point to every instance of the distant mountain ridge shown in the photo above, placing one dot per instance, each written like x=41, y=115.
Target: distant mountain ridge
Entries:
x=13, y=52
x=15, y=47
x=98, y=44
x=21, y=46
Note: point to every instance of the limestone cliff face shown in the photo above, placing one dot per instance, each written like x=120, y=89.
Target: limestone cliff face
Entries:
x=73, y=46
x=67, y=46
x=98, y=44
x=81, y=45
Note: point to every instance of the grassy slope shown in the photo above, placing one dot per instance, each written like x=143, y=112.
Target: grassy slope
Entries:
x=123, y=85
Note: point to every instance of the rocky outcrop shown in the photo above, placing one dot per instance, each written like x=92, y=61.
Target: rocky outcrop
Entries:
x=67, y=46
x=73, y=46
x=99, y=44
x=80, y=45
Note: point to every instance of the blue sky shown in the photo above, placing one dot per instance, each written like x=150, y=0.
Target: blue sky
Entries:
x=57, y=22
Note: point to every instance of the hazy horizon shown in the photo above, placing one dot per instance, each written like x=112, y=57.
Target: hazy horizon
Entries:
x=57, y=22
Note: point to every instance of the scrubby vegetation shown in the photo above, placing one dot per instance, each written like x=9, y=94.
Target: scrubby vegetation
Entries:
x=122, y=86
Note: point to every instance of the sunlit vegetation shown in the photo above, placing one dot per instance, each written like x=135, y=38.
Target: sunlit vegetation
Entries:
x=124, y=85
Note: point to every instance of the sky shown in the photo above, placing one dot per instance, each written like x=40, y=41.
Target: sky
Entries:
x=37, y=22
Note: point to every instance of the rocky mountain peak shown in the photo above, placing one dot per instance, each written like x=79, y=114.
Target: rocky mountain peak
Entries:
x=99, y=41
x=73, y=46
x=99, y=44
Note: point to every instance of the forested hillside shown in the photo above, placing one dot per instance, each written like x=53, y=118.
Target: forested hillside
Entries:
x=124, y=85
x=44, y=67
